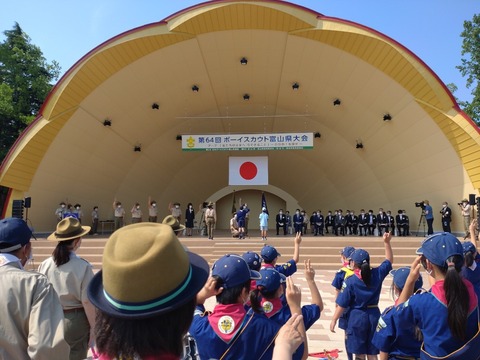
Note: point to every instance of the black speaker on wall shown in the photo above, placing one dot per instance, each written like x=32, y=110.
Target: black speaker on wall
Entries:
x=471, y=199
x=28, y=202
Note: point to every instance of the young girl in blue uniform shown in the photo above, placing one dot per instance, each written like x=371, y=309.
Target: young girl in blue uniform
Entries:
x=397, y=341
x=230, y=332
x=268, y=298
x=448, y=314
x=270, y=256
x=361, y=294
x=341, y=275
x=471, y=270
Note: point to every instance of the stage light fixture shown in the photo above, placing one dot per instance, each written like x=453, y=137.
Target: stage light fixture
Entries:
x=243, y=61
x=179, y=138
x=107, y=122
x=246, y=97
x=137, y=148
x=155, y=106
x=295, y=86
x=387, y=117
x=359, y=145
x=317, y=135
x=337, y=102
x=195, y=88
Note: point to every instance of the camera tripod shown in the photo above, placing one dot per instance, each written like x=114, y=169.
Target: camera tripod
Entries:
x=420, y=222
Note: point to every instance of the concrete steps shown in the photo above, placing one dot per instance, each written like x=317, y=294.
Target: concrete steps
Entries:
x=322, y=251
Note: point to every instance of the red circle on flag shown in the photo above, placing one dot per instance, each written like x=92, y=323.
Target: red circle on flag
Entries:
x=248, y=170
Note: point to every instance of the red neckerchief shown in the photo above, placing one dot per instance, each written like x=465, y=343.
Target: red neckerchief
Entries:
x=358, y=273
x=268, y=266
x=149, y=357
x=227, y=320
x=346, y=264
x=272, y=306
x=439, y=292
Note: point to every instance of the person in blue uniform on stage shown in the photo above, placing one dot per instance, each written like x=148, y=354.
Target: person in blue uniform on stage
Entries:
x=230, y=332
x=268, y=298
x=241, y=220
x=361, y=294
x=448, y=314
x=395, y=340
x=270, y=256
x=338, y=283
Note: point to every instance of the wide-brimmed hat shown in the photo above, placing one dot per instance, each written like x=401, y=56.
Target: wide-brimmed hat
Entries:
x=14, y=233
x=400, y=278
x=146, y=272
x=234, y=271
x=173, y=223
x=210, y=204
x=439, y=247
x=68, y=229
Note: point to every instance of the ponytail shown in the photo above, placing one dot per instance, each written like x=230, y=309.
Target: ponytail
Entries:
x=457, y=296
x=366, y=272
x=469, y=258
x=61, y=253
x=255, y=301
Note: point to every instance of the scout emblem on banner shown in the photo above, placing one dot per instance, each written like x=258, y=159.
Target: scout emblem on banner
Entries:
x=248, y=170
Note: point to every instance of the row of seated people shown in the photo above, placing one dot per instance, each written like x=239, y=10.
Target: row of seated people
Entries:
x=366, y=223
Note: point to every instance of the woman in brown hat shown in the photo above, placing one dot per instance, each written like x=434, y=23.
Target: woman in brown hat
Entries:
x=70, y=276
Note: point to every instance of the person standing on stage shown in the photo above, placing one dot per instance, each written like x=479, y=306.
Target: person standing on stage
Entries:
x=428, y=216
x=446, y=217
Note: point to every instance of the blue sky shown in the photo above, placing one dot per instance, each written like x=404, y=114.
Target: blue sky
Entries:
x=65, y=30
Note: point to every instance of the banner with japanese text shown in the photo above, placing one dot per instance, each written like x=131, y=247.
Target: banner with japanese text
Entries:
x=232, y=142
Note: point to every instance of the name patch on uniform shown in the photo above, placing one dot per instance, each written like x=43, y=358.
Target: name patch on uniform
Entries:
x=226, y=325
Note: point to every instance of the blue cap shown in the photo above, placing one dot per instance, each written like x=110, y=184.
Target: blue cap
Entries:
x=347, y=251
x=468, y=246
x=253, y=260
x=271, y=279
x=439, y=247
x=14, y=233
x=269, y=253
x=400, y=277
x=234, y=271
x=360, y=256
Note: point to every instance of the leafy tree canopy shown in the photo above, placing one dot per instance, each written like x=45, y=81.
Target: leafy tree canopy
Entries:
x=25, y=80
x=470, y=67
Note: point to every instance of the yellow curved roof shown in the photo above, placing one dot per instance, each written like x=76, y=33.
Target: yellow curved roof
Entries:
x=284, y=43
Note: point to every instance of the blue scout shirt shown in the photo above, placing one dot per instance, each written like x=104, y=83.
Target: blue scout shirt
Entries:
x=287, y=269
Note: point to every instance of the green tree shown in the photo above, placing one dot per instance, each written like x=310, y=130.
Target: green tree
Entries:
x=470, y=66
x=25, y=80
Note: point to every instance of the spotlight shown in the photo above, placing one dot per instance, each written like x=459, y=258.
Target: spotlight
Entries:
x=387, y=117
x=295, y=86
x=246, y=97
x=137, y=148
x=336, y=102
x=243, y=61
x=155, y=106
x=359, y=145
x=195, y=88
x=179, y=138
x=317, y=135
x=107, y=122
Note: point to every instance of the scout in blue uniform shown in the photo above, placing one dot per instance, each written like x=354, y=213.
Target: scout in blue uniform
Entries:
x=270, y=290
x=338, y=282
x=230, y=332
x=361, y=294
x=448, y=314
x=395, y=340
x=270, y=255
x=241, y=220
x=471, y=270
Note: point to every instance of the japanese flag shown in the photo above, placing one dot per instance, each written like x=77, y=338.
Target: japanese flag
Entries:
x=248, y=170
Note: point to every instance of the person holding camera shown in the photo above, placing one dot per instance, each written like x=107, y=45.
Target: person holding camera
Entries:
x=428, y=216
x=446, y=217
x=466, y=210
